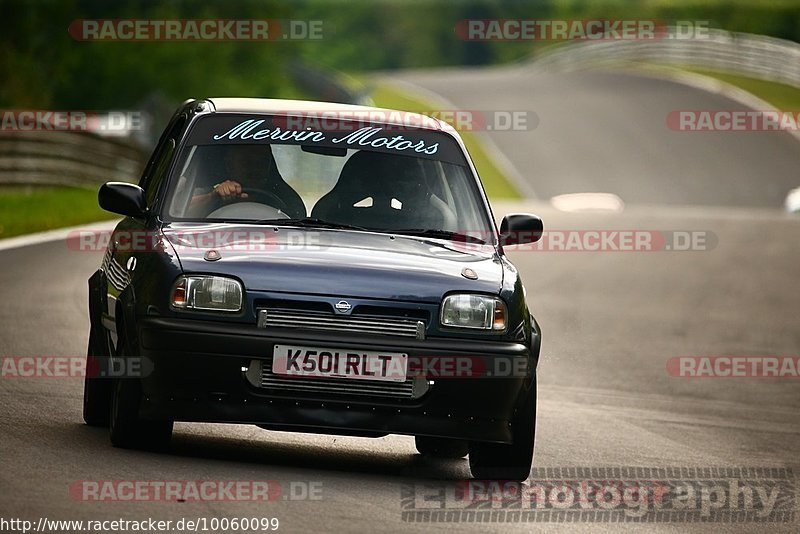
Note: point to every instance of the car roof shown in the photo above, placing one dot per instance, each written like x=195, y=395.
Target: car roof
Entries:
x=270, y=105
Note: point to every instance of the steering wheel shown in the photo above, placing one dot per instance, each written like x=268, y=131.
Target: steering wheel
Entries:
x=268, y=205
x=269, y=197
x=247, y=210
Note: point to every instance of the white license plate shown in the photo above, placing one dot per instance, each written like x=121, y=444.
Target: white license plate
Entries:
x=338, y=363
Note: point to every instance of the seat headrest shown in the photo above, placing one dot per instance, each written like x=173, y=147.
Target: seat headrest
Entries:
x=380, y=176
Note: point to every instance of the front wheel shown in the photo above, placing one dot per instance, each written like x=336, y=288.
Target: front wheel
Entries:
x=498, y=461
x=127, y=429
x=96, y=388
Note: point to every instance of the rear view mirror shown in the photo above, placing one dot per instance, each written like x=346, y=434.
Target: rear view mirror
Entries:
x=324, y=150
x=122, y=198
x=520, y=228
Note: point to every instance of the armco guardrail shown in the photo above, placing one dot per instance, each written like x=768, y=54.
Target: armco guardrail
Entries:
x=78, y=159
x=751, y=55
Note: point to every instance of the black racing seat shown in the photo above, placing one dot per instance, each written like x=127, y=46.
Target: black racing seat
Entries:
x=379, y=190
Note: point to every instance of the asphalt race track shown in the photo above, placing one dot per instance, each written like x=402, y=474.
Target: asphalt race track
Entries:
x=608, y=131
x=611, y=321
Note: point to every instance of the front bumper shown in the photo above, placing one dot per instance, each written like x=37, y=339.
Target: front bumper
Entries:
x=197, y=375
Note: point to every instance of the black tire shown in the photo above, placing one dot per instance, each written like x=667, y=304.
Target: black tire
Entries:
x=127, y=429
x=96, y=389
x=441, y=447
x=497, y=461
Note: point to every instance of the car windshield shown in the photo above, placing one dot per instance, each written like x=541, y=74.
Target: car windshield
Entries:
x=256, y=169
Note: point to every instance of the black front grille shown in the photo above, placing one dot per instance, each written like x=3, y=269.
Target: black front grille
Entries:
x=261, y=376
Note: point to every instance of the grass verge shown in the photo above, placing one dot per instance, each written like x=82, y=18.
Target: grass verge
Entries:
x=27, y=209
x=496, y=183
x=783, y=97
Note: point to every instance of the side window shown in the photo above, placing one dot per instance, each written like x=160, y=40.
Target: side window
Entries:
x=158, y=170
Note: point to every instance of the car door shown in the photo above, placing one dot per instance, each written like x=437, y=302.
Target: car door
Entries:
x=131, y=245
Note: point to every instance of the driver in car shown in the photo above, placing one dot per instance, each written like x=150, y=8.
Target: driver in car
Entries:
x=245, y=168
x=248, y=173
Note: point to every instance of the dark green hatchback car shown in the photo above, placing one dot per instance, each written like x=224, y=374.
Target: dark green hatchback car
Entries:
x=315, y=267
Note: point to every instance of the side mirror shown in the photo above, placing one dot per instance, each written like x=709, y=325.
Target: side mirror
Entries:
x=520, y=228
x=122, y=198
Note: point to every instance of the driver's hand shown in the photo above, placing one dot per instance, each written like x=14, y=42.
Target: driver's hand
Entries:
x=229, y=190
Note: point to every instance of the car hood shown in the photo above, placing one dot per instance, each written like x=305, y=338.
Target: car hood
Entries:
x=342, y=263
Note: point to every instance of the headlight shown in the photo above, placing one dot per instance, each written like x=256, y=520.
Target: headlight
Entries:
x=473, y=311
x=206, y=292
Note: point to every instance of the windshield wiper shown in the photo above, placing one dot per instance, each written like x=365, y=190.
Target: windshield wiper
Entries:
x=440, y=234
x=310, y=222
